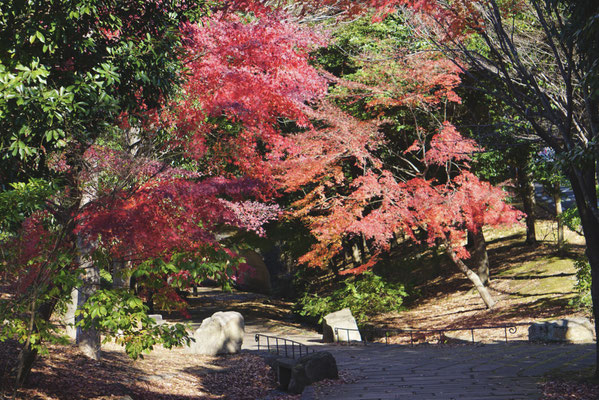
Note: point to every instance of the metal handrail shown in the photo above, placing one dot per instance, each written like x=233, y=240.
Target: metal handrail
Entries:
x=279, y=343
x=509, y=329
x=276, y=345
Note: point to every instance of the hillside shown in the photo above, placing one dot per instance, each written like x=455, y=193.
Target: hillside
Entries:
x=530, y=283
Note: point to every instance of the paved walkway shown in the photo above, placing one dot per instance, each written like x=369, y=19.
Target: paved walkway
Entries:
x=476, y=372
x=470, y=372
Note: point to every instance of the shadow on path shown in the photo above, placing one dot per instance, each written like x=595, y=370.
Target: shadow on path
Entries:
x=472, y=372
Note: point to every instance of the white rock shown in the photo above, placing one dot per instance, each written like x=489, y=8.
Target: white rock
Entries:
x=222, y=333
x=347, y=328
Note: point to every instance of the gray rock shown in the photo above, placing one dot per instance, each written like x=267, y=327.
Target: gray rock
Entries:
x=157, y=318
x=573, y=330
x=342, y=319
x=312, y=368
x=222, y=333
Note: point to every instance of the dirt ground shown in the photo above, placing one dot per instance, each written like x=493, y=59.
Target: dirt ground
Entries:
x=66, y=374
x=531, y=283
x=161, y=375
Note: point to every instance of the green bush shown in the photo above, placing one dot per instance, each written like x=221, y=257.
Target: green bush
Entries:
x=366, y=295
x=571, y=219
x=583, y=284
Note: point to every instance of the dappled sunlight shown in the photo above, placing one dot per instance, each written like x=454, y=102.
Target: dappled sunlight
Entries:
x=530, y=283
x=257, y=309
x=161, y=375
x=407, y=164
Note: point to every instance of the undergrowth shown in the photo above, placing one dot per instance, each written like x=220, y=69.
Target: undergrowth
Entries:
x=364, y=295
x=583, y=284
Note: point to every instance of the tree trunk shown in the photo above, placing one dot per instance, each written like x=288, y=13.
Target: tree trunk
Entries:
x=150, y=302
x=590, y=227
x=28, y=354
x=482, y=290
x=88, y=340
x=120, y=279
x=356, y=253
x=527, y=194
x=478, y=254
x=592, y=253
x=557, y=199
x=470, y=240
x=366, y=253
x=590, y=222
x=69, y=317
x=27, y=357
x=348, y=261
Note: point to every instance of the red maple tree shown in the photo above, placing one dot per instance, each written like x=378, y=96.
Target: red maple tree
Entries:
x=256, y=73
x=354, y=191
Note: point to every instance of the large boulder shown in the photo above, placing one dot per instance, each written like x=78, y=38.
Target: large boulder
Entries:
x=222, y=333
x=253, y=275
x=347, y=328
x=573, y=330
x=294, y=376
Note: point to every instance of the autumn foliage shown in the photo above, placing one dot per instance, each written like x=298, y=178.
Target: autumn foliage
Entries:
x=252, y=74
x=354, y=190
x=254, y=121
x=246, y=76
x=172, y=215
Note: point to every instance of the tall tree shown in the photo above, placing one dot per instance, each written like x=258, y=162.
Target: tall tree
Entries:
x=544, y=54
x=67, y=70
x=526, y=189
x=79, y=80
x=398, y=168
x=241, y=100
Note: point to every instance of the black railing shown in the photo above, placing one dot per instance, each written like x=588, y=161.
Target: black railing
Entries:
x=281, y=346
x=421, y=335
x=291, y=348
x=440, y=336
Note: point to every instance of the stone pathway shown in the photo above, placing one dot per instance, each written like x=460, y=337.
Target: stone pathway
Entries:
x=474, y=372
x=470, y=372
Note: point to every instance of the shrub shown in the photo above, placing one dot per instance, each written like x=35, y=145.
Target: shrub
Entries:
x=571, y=219
x=583, y=284
x=366, y=295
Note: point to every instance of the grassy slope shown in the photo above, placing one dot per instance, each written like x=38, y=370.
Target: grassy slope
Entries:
x=531, y=283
